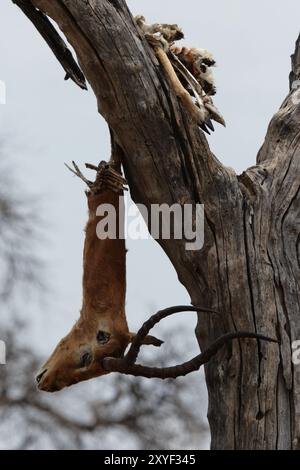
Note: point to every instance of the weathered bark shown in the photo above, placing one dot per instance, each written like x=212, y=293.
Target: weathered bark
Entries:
x=249, y=266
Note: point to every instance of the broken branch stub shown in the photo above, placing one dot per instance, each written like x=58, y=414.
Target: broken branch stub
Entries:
x=54, y=41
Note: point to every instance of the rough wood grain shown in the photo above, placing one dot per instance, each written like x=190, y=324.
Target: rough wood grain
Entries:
x=249, y=266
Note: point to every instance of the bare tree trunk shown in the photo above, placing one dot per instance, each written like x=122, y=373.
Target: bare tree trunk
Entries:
x=249, y=266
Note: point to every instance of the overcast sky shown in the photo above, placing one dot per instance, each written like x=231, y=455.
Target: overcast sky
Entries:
x=47, y=121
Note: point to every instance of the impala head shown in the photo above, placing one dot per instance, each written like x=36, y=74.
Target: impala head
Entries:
x=79, y=355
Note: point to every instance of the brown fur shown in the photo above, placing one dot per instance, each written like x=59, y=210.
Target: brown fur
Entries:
x=103, y=309
x=102, y=329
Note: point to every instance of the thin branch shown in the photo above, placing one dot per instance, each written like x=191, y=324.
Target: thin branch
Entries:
x=54, y=41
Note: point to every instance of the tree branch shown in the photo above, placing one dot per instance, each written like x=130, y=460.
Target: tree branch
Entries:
x=54, y=41
x=295, y=72
x=133, y=85
x=281, y=139
x=166, y=156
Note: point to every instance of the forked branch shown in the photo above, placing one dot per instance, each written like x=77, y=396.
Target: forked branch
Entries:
x=128, y=366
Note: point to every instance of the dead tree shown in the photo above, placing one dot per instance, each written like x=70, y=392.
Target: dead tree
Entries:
x=249, y=266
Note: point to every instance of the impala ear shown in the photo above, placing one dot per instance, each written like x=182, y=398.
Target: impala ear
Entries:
x=148, y=340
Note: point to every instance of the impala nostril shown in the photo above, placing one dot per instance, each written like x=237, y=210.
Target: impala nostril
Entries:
x=40, y=376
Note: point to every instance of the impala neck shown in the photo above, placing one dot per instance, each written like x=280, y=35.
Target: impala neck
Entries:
x=104, y=278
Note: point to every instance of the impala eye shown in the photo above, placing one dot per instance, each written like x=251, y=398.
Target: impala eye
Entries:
x=85, y=359
x=103, y=337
